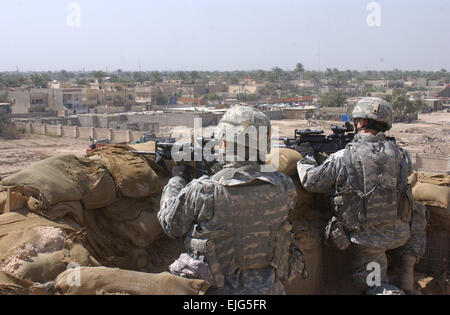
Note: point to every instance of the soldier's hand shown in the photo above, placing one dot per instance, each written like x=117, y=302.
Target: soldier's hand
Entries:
x=182, y=171
x=305, y=149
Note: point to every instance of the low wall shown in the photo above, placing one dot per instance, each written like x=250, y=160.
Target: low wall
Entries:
x=431, y=163
x=275, y=114
x=421, y=163
x=35, y=115
x=80, y=132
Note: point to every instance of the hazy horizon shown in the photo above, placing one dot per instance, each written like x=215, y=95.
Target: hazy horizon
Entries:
x=220, y=35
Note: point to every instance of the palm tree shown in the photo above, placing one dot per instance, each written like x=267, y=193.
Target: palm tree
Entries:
x=299, y=70
x=277, y=72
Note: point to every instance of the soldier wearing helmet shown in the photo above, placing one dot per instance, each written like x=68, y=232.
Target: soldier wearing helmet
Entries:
x=234, y=224
x=372, y=203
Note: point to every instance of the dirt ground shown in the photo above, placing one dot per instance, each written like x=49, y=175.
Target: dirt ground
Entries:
x=19, y=153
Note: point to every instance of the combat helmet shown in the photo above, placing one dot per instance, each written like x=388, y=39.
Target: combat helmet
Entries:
x=376, y=109
x=244, y=126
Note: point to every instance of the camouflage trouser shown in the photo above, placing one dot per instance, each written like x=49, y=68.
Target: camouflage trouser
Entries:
x=251, y=282
x=361, y=258
x=416, y=244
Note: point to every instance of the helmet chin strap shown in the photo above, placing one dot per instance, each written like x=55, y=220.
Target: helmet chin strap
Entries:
x=355, y=122
x=371, y=125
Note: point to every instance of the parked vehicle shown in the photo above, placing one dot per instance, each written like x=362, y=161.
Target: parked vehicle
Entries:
x=146, y=137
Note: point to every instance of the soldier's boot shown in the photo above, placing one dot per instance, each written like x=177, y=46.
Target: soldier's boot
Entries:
x=407, y=274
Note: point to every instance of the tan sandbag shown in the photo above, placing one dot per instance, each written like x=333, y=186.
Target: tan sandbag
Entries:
x=127, y=209
x=432, y=195
x=438, y=179
x=142, y=231
x=287, y=160
x=412, y=179
x=111, y=280
x=132, y=173
x=54, y=179
x=146, y=146
x=42, y=268
x=71, y=209
x=439, y=218
x=98, y=189
x=136, y=220
x=34, y=248
x=10, y=285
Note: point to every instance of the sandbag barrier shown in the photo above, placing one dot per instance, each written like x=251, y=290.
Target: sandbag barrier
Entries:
x=98, y=216
x=113, y=226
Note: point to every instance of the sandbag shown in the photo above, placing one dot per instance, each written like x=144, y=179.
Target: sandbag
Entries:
x=34, y=248
x=431, y=195
x=146, y=146
x=127, y=209
x=103, y=280
x=70, y=209
x=143, y=230
x=287, y=160
x=56, y=179
x=135, y=220
x=412, y=179
x=10, y=285
x=132, y=173
x=438, y=179
x=98, y=189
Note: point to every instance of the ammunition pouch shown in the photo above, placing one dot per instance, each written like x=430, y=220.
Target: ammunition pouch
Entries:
x=406, y=204
x=335, y=235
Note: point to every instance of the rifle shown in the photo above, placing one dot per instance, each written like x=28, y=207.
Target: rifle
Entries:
x=204, y=156
x=341, y=136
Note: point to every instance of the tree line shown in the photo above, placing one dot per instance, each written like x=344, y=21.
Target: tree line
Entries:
x=333, y=77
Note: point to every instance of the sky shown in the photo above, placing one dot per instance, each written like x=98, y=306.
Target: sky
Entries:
x=224, y=34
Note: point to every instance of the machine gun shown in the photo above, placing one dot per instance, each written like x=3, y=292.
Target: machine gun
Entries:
x=341, y=136
x=204, y=155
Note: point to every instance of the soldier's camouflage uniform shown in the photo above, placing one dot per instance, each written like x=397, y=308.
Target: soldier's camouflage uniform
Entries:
x=237, y=221
x=368, y=184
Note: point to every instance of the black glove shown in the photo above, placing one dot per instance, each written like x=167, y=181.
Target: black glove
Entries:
x=305, y=149
x=182, y=171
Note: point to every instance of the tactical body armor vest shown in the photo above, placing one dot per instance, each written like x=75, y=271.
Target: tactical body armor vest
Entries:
x=376, y=186
x=249, y=229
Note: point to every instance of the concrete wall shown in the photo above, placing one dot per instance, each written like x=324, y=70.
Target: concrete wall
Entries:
x=275, y=114
x=80, y=132
x=175, y=119
x=296, y=114
x=431, y=163
x=21, y=101
x=34, y=115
